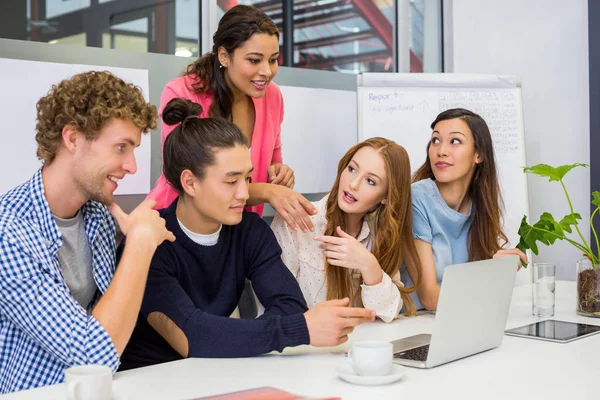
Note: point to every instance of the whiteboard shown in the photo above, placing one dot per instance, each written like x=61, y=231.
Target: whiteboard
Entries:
x=319, y=126
x=402, y=107
x=22, y=84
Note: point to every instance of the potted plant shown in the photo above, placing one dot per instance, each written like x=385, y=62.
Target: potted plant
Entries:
x=548, y=230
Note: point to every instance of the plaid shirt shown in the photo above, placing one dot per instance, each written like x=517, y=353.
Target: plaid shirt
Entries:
x=43, y=330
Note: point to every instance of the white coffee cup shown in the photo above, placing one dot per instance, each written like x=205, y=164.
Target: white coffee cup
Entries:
x=371, y=357
x=88, y=382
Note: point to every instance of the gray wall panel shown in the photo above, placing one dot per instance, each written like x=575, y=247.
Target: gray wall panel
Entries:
x=161, y=68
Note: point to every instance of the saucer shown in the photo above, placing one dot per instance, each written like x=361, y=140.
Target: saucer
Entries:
x=346, y=372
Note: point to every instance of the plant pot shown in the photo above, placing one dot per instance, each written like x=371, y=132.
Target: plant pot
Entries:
x=588, y=288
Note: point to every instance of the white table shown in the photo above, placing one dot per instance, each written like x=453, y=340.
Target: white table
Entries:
x=519, y=369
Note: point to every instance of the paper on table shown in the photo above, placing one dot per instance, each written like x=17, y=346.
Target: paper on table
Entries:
x=263, y=393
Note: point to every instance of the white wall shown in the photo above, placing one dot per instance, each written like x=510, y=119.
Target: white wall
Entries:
x=546, y=43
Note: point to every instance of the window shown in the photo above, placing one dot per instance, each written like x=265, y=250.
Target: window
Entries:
x=349, y=36
x=160, y=26
x=425, y=35
x=355, y=36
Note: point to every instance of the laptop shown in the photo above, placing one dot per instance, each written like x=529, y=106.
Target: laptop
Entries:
x=471, y=314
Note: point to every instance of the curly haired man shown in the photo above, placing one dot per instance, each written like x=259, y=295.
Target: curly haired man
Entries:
x=63, y=302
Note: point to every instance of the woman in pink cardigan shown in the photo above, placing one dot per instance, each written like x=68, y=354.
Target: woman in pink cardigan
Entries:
x=234, y=81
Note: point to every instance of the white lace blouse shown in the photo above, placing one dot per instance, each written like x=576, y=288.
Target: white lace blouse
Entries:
x=305, y=259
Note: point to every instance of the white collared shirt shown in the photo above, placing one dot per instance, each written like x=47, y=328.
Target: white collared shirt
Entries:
x=305, y=259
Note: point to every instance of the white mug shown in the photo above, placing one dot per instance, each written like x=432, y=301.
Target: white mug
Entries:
x=88, y=382
x=371, y=357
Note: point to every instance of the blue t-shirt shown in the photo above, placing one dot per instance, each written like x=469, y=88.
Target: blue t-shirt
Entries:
x=436, y=223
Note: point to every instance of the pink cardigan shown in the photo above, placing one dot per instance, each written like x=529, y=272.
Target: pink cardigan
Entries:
x=266, y=138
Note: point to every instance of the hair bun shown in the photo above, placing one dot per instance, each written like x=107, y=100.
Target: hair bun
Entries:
x=179, y=109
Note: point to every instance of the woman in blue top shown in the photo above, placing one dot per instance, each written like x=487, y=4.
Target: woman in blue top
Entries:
x=456, y=202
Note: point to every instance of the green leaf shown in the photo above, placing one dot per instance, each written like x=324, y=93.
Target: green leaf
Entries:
x=596, y=200
x=529, y=236
x=548, y=222
x=552, y=173
x=545, y=231
x=568, y=221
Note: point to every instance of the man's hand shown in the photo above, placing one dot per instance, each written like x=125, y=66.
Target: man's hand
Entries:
x=143, y=224
x=330, y=322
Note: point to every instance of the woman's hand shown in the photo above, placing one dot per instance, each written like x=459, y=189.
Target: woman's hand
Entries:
x=512, y=252
x=281, y=174
x=347, y=252
x=292, y=207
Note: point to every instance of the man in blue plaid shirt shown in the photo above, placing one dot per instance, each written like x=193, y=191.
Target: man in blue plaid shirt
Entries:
x=61, y=301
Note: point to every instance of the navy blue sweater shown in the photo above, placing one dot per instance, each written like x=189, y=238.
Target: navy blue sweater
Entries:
x=198, y=287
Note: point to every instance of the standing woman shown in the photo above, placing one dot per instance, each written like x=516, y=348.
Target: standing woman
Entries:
x=457, y=205
x=234, y=82
x=364, y=234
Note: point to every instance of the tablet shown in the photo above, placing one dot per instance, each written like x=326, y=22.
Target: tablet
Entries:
x=555, y=331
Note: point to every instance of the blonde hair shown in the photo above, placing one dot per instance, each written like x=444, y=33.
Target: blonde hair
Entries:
x=88, y=101
x=392, y=225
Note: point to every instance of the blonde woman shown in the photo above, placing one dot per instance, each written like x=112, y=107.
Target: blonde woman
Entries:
x=363, y=233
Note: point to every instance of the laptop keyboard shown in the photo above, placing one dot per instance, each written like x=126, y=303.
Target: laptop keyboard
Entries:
x=417, y=354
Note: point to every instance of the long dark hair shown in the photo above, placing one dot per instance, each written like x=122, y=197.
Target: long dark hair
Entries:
x=486, y=236
x=394, y=243
x=192, y=145
x=235, y=28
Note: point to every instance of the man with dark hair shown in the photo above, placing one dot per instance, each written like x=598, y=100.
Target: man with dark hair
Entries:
x=62, y=301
